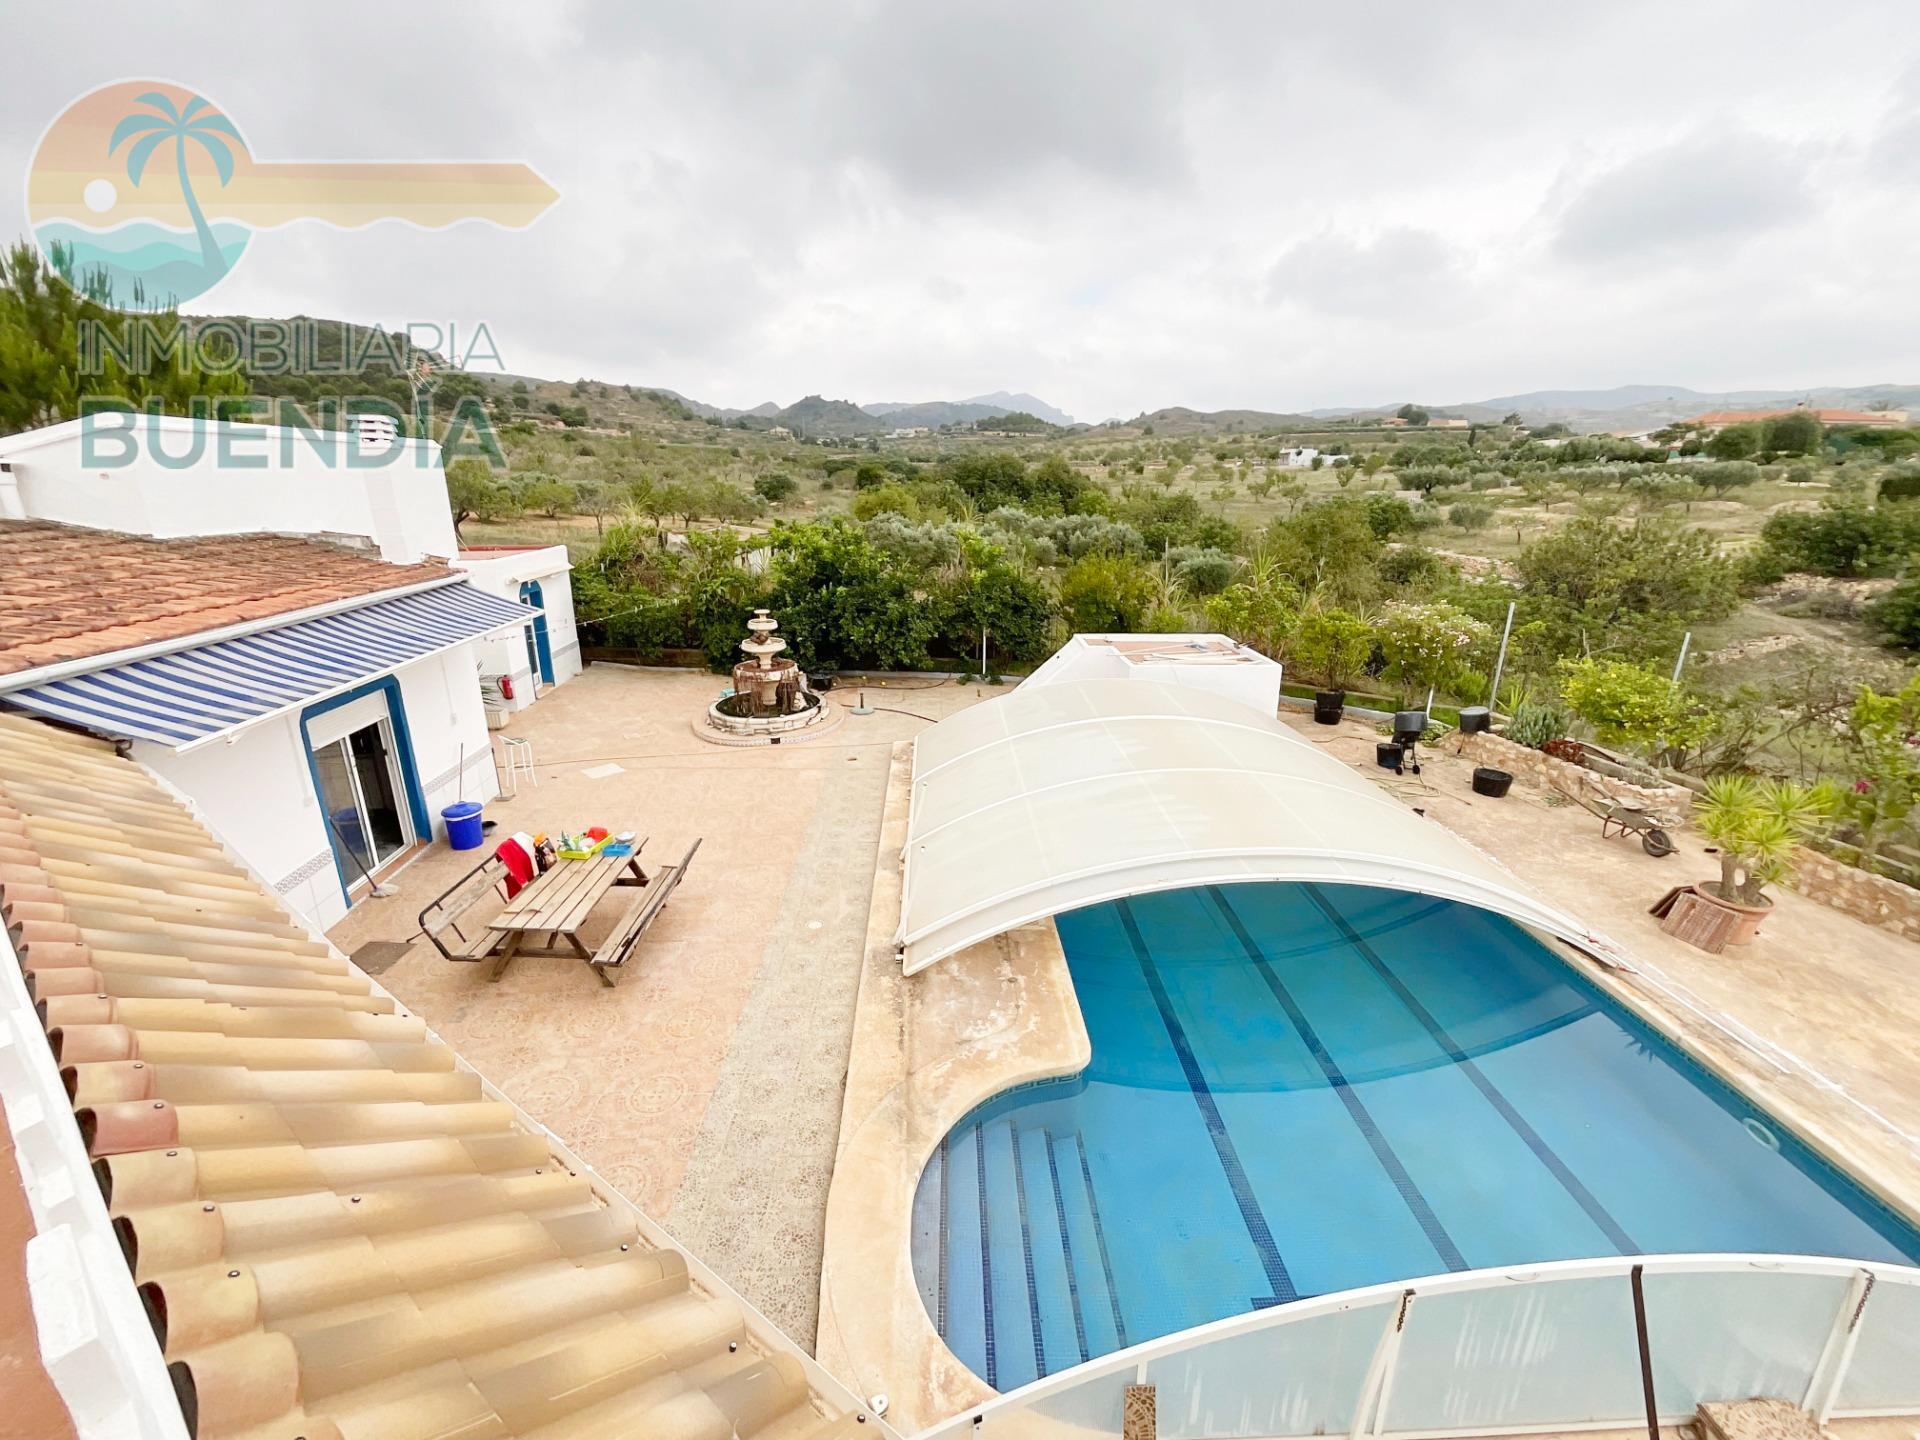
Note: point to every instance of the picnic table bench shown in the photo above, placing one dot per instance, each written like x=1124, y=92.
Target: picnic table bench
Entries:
x=551, y=908
x=448, y=919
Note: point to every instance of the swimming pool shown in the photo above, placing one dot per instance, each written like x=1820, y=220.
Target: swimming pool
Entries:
x=1298, y=1089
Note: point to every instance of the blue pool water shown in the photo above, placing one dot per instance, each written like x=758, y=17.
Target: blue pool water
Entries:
x=1297, y=1089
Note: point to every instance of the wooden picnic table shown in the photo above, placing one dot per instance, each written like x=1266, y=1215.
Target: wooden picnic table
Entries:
x=556, y=905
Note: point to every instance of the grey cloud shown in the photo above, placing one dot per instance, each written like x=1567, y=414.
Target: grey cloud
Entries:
x=1403, y=271
x=1114, y=204
x=1719, y=190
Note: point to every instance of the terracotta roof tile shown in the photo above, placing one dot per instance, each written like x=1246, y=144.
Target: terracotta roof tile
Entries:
x=337, y=1232
x=73, y=592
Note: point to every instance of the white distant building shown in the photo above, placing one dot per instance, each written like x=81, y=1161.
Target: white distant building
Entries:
x=908, y=432
x=1300, y=457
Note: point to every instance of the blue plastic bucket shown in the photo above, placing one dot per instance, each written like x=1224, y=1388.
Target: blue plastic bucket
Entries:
x=463, y=825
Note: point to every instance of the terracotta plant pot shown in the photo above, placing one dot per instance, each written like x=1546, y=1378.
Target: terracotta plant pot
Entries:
x=1748, y=917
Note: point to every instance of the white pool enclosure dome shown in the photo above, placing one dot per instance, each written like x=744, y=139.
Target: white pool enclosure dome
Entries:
x=1063, y=795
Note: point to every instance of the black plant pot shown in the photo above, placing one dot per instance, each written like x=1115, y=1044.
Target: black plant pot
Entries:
x=1389, y=755
x=1490, y=782
x=821, y=678
x=1329, y=706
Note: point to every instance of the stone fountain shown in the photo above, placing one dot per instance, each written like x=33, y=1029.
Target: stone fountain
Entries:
x=771, y=700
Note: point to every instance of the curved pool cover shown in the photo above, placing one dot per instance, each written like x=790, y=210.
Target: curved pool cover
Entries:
x=1297, y=1089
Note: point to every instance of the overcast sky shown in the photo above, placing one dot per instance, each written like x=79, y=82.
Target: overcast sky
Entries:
x=1115, y=206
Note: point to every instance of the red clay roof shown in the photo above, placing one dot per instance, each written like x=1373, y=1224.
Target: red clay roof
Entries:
x=67, y=593
x=337, y=1232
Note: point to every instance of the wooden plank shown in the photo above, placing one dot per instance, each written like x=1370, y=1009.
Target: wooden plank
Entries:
x=1699, y=922
x=604, y=872
x=564, y=904
x=561, y=898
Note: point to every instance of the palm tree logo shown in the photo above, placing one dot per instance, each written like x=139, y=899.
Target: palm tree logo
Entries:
x=197, y=121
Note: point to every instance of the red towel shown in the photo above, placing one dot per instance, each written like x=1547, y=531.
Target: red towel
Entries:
x=517, y=856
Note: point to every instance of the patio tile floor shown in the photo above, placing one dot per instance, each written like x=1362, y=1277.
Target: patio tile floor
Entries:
x=706, y=1086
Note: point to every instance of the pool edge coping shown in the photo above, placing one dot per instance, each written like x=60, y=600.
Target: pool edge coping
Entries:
x=874, y=1332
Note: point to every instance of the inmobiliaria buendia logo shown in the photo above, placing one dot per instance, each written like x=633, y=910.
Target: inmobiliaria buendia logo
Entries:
x=143, y=196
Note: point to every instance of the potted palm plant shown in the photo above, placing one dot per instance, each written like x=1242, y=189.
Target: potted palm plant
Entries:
x=1329, y=647
x=1755, y=825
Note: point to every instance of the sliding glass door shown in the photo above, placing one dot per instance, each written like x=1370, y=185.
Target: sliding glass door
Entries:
x=363, y=797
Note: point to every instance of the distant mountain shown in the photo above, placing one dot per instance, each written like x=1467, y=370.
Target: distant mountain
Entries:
x=1003, y=404
x=814, y=416
x=935, y=413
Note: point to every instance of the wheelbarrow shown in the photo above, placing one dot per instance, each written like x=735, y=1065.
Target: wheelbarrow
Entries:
x=1628, y=817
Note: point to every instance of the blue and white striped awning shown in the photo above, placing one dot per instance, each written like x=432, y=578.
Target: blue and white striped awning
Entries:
x=189, y=696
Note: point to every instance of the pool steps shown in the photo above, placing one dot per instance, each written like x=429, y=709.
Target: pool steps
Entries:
x=1028, y=1254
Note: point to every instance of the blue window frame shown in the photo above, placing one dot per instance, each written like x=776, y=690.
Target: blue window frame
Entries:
x=539, y=652
x=403, y=748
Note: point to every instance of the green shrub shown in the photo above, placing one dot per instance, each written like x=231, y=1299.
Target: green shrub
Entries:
x=1388, y=515
x=1902, y=484
x=1105, y=594
x=1469, y=516
x=1201, y=570
x=1896, y=614
x=1330, y=648
x=1414, y=565
x=1533, y=725
x=1430, y=646
x=1638, y=709
x=1845, y=539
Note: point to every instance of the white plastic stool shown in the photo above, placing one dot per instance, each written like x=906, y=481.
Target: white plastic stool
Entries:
x=519, y=762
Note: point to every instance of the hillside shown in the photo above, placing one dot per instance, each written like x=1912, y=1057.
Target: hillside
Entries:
x=1629, y=408
x=1002, y=403
x=934, y=413
x=1179, y=420
x=815, y=416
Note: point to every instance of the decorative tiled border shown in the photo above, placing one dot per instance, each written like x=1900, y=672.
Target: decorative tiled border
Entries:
x=447, y=776
x=305, y=873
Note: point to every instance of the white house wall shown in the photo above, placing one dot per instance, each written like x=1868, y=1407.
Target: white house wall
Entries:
x=258, y=792
x=449, y=724
x=401, y=507
x=502, y=574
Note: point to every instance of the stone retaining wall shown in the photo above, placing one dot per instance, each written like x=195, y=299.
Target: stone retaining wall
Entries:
x=1539, y=768
x=1859, y=893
